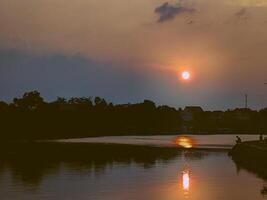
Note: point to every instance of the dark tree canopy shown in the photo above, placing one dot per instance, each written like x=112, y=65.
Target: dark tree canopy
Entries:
x=30, y=117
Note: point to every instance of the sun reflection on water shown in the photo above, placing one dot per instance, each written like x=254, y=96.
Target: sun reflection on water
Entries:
x=185, y=182
x=184, y=142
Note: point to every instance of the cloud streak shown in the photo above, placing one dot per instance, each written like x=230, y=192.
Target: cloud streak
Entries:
x=168, y=12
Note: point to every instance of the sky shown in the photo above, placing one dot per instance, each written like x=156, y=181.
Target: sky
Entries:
x=131, y=50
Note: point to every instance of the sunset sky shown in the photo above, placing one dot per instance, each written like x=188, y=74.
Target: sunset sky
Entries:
x=130, y=50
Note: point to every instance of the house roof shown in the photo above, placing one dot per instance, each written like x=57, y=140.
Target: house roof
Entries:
x=193, y=109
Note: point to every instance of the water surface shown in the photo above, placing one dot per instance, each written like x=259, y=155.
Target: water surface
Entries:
x=88, y=171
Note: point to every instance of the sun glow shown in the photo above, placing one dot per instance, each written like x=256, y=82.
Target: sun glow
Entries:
x=185, y=75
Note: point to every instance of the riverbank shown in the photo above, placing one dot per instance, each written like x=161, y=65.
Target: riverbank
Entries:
x=110, y=134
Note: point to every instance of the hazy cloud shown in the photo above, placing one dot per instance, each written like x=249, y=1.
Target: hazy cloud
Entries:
x=242, y=14
x=226, y=54
x=167, y=11
x=57, y=74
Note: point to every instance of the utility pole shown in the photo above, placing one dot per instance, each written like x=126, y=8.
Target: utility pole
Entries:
x=246, y=101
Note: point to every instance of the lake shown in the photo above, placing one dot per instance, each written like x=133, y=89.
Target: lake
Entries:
x=87, y=169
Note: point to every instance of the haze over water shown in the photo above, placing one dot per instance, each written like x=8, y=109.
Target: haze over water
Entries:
x=200, y=141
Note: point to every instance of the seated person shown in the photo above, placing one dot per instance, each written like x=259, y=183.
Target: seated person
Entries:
x=238, y=140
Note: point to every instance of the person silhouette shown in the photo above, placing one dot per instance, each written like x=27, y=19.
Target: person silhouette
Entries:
x=238, y=140
x=261, y=137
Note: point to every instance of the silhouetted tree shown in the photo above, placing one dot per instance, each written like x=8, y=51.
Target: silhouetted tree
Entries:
x=30, y=117
x=30, y=100
x=100, y=102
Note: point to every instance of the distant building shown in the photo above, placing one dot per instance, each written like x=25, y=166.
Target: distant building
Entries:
x=194, y=109
x=190, y=112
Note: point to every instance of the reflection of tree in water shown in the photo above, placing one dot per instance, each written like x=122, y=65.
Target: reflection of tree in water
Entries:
x=256, y=166
x=253, y=167
x=30, y=162
x=197, y=154
x=264, y=191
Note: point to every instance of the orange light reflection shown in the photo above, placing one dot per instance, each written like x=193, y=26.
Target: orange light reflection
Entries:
x=184, y=142
x=186, y=180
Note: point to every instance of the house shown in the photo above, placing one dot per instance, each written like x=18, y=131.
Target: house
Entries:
x=190, y=112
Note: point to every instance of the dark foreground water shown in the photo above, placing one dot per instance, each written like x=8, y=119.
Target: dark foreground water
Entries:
x=84, y=171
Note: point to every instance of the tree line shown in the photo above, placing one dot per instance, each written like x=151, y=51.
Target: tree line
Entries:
x=30, y=117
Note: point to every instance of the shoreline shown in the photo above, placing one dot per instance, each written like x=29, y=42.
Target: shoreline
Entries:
x=130, y=135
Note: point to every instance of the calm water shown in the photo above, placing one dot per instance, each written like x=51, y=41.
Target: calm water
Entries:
x=124, y=172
